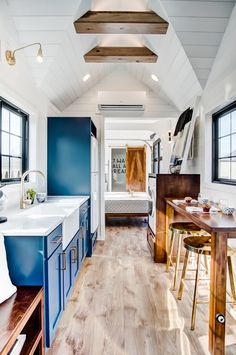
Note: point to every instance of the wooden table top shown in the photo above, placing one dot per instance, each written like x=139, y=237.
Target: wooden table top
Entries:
x=13, y=312
x=217, y=222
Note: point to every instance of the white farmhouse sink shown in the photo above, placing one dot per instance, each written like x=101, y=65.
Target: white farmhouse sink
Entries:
x=68, y=211
x=42, y=219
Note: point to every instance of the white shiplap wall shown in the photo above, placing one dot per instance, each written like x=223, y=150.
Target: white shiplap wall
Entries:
x=200, y=26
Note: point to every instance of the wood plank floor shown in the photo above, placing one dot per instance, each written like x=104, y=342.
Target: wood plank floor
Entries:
x=122, y=305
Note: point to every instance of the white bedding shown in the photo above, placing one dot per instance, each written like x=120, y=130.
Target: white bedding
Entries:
x=121, y=202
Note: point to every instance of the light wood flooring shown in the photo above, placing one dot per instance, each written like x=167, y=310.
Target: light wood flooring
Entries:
x=122, y=304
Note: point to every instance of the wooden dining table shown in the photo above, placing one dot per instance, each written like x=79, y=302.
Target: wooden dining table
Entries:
x=221, y=227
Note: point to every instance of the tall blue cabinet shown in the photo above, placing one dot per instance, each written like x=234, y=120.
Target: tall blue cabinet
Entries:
x=69, y=161
x=69, y=155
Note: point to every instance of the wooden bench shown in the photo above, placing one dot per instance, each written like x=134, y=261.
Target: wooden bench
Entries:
x=23, y=313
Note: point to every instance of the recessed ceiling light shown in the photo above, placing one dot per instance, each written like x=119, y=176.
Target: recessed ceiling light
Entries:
x=86, y=77
x=154, y=77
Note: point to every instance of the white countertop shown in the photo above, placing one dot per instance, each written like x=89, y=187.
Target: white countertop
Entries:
x=43, y=218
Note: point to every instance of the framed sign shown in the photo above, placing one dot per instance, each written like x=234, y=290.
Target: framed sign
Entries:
x=118, y=169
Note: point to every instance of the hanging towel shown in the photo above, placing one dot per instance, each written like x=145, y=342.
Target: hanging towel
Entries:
x=184, y=118
x=7, y=289
x=180, y=137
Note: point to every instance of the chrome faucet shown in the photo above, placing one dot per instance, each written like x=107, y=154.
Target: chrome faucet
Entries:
x=22, y=192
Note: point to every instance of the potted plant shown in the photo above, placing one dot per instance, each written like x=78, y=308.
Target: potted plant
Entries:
x=31, y=193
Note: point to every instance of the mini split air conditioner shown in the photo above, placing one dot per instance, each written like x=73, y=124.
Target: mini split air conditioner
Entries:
x=121, y=100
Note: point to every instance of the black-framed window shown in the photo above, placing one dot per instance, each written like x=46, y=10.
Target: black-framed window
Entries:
x=14, y=142
x=224, y=145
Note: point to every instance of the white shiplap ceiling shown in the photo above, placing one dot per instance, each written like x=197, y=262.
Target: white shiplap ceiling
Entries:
x=186, y=54
x=200, y=26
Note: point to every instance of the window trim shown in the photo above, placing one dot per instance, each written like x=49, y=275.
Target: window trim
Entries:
x=25, y=139
x=215, y=137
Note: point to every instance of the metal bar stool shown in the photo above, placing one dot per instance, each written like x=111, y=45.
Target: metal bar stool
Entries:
x=178, y=231
x=201, y=246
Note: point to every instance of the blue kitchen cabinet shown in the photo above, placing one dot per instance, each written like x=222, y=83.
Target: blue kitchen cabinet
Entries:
x=69, y=156
x=84, y=231
x=67, y=273
x=70, y=266
x=39, y=261
x=75, y=256
x=70, y=164
x=53, y=292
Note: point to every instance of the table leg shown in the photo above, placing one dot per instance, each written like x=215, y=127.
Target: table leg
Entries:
x=218, y=293
x=169, y=219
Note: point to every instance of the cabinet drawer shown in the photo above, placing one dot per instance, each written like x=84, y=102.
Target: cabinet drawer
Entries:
x=53, y=240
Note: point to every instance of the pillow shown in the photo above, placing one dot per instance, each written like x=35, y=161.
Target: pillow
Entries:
x=7, y=289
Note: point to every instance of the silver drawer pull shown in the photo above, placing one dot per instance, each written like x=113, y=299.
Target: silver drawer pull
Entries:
x=63, y=261
x=74, y=254
x=57, y=240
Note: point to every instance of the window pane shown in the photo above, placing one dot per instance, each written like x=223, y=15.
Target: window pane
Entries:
x=224, y=147
x=233, y=168
x=15, y=124
x=5, y=168
x=5, y=120
x=224, y=168
x=15, y=168
x=233, y=145
x=224, y=125
x=5, y=143
x=15, y=146
x=233, y=119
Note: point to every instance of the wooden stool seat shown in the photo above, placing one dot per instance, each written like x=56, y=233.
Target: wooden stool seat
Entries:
x=179, y=230
x=184, y=227
x=198, y=244
x=201, y=245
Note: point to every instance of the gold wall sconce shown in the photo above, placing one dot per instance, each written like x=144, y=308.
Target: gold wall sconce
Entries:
x=10, y=55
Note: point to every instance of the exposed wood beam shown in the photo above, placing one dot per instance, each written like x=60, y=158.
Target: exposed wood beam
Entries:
x=121, y=22
x=120, y=55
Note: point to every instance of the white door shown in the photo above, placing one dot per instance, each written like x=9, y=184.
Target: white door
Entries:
x=94, y=201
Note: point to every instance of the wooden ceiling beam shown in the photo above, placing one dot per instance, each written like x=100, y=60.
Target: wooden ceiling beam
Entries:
x=145, y=22
x=120, y=55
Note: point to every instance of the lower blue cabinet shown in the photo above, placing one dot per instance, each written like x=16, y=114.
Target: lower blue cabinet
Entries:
x=84, y=232
x=70, y=266
x=75, y=256
x=41, y=261
x=53, y=292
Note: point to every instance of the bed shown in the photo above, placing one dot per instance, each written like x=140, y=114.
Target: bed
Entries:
x=126, y=204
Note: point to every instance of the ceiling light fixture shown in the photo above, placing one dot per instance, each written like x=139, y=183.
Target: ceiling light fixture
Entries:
x=154, y=77
x=10, y=55
x=86, y=77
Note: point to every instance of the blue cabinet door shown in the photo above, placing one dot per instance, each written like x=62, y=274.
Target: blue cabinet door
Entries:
x=75, y=261
x=81, y=245
x=69, y=154
x=53, y=292
x=67, y=274
x=87, y=232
